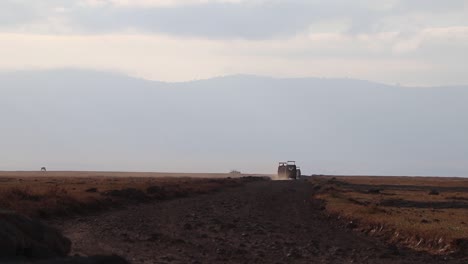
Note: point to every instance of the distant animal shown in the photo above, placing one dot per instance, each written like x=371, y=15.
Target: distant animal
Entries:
x=43, y=169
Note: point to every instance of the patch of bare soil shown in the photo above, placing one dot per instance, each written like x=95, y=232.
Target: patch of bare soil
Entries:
x=261, y=222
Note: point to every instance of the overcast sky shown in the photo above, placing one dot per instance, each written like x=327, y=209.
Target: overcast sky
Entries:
x=411, y=42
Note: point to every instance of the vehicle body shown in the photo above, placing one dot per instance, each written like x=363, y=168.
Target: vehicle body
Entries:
x=287, y=170
x=298, y=173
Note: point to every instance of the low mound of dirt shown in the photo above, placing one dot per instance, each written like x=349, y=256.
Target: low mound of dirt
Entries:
x=23, y=237
x=24, y=240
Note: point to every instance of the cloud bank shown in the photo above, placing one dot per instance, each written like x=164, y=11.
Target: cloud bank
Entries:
x=393, y=41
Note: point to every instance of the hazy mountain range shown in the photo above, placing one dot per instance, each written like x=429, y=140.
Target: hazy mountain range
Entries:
x=84, y=120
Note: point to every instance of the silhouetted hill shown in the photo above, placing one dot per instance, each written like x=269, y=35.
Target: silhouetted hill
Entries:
x=70, y=119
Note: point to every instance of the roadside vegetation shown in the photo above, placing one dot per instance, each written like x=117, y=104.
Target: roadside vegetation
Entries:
x=427, y=214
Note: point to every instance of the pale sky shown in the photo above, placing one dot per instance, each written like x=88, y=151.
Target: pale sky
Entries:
x=412, y=42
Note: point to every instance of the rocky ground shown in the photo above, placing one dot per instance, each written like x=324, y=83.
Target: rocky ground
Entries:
x=261, y=222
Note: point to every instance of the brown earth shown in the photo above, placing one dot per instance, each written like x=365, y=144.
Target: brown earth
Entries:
x=260, y=222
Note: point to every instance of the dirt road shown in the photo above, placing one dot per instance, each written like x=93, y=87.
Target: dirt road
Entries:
x=262, y=222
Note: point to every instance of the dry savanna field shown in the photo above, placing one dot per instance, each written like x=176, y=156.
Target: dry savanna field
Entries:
x=51, y=194
x=425, y=214
x=429, y=214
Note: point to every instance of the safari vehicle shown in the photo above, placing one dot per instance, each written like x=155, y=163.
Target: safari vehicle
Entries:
x=287, y=170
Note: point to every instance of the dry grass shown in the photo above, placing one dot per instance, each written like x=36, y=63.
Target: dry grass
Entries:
x=401, y=208
x=68, y=193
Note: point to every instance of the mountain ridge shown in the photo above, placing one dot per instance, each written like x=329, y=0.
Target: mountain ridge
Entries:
x=72, y=120
x=84, y=72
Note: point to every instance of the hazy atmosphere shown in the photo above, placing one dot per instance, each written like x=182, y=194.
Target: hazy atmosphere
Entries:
x=365, y=87
x=86, y=120
x=234, y=131
x=417, y=42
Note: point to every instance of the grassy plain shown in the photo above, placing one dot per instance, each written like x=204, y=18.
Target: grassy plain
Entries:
x=51, y=194
x=423, y=213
